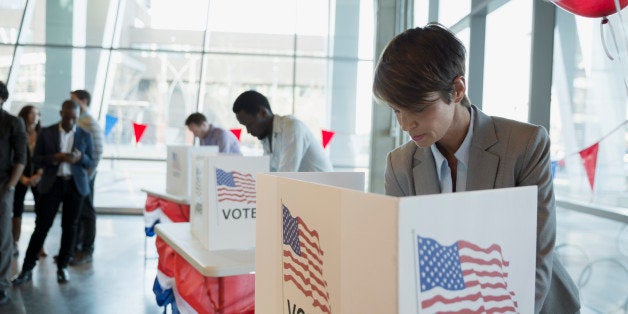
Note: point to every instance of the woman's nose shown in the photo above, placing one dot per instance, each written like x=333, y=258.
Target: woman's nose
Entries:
x=405, y=121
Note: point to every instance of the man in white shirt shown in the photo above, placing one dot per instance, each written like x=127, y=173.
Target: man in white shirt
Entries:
x=64, y=151
x=291, y=145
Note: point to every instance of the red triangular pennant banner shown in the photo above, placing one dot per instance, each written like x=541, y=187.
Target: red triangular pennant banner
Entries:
x=138, y=129
x=327, y=135
x=237, y=133
x=589, y=158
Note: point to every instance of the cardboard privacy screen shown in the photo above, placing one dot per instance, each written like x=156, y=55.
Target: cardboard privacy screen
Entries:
x=347, y=180
x=222, y=210
x=179, y=167
x=324, y=249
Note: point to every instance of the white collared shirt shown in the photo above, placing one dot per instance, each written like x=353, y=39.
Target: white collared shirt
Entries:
x=462, y=155
x=66, y=142
x=294, y=147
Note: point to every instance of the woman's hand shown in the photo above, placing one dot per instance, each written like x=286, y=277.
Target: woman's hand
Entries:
x=25, y=180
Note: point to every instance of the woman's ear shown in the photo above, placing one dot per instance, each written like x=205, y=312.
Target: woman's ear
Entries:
x=460, y=89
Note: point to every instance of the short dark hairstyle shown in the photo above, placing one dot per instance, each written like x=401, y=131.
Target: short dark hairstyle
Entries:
x=24, y=112
x=417, y=62
x=83, y=95
x=196, y=118
x=4, y=92
x=70, y=104
x=251, y=102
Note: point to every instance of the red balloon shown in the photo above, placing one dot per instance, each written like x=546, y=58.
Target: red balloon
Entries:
x=590, y=8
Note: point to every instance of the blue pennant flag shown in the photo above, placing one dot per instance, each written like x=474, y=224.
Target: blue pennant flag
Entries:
x=110, y=122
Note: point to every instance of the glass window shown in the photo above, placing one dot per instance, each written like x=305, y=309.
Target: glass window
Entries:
x=465, y=37
x=264, y=27
x=156, y=89
x=421, y=12
x=451, y=11
x=310, y=93
x=169, y=59
x=100, y=17
x=6, y=57
x=363, y=111
x=34, y=28
x=29, y=82
x=10, y=17
x=366, y=41
x=312, y=28
x=227, y=76
x=507, y=61
x=163, y=24
x=589, y=102
x=73, y=69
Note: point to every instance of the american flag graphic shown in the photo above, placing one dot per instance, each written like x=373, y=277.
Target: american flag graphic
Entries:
x=234, y=186
x=302, y=261
x=463, y=278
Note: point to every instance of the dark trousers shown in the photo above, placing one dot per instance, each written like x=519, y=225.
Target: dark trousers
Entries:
x=6, y=240
x=18, y=200
x=86, y=232
x=63, y=191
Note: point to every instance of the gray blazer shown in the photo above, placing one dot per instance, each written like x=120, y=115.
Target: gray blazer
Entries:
x=503, y=153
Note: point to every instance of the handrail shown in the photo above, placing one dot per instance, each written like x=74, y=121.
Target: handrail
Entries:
x=609, y=212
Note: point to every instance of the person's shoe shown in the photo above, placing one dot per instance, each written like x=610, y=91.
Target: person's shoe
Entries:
x=4, y=296
x=24, y=277
x=56, y=258
x=62, y=275
x=81, y=258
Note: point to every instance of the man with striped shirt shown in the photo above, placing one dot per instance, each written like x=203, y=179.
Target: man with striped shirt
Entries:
x=86, y=232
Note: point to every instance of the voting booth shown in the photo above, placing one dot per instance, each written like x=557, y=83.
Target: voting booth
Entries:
x=325, y=249
x=179, y=167
x=223, y=210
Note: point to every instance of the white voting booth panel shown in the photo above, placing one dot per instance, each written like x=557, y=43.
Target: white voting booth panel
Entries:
x=223, y=211
x=324, y=249
x=179, y=167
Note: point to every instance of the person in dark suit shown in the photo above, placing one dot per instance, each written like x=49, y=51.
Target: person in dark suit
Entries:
x=64, y=151
x=456, y=147
x=12, y=159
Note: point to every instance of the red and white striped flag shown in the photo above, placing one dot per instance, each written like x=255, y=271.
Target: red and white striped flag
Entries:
x=463, y=278
x=235, y=186
x=303, y=261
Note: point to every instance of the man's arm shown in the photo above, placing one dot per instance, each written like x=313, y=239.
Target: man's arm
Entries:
x=16, y=173
x=292, y=147
x=393, y=188
x=98, y=141
x=228, y=143
x=18, y=143
x=536, y=171
x=84, y=159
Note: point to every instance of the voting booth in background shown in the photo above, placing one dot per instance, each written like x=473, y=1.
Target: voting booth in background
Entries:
x=325, y=249
x=222, y=214
x=179, y=167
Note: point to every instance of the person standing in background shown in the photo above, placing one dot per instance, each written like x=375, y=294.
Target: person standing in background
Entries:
x=30, y=177
x=12, y=160
x=64, y=151
x=212, y=135
x=86, y=230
